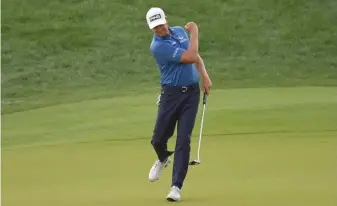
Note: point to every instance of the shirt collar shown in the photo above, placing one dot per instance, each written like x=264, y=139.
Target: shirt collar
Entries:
x=167, y=36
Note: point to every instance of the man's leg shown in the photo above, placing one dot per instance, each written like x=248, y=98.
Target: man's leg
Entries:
x=186, y=121
x=164, y=128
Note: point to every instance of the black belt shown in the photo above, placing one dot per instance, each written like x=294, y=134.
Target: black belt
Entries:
x=183, y=89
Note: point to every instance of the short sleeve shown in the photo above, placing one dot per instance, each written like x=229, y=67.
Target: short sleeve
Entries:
x=184, y=31
x=167, y=52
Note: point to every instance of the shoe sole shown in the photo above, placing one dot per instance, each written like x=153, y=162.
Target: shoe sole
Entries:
x=172, y=200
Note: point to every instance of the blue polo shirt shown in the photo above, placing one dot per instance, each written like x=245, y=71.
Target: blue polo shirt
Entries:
x=167, y=52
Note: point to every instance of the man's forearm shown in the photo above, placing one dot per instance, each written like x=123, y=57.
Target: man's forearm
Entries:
x=201, y=68
x=194, y=42
x=206, y=81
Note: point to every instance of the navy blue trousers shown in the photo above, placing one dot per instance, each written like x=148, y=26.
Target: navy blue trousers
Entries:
x=178, y=106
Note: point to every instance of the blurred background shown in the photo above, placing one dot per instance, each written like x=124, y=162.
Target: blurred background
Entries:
x=59, y=51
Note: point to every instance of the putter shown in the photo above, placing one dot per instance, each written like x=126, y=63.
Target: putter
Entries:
x=197, y=161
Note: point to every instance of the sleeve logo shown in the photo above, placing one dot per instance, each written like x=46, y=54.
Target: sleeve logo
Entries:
x=175, y=52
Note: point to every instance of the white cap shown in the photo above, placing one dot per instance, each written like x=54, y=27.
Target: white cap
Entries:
x=155, y=16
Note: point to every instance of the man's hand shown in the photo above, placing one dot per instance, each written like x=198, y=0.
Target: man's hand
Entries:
x=191, y=26
x=207, y=84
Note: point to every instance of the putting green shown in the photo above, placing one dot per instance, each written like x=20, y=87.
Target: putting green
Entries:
x=268, y=146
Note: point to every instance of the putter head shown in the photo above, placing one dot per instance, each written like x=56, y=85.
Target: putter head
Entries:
x=195, y=162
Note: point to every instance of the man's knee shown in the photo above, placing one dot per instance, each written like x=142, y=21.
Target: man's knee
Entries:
x=183, y=143
x=160, y=137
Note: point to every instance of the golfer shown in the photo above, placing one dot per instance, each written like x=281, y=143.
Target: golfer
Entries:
x=180, y=66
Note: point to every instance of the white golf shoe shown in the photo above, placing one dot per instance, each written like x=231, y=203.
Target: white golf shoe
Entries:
x=174, y=194
x=157, y=169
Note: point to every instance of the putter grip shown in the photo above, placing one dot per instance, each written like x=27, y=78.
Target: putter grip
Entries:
x=204, y=98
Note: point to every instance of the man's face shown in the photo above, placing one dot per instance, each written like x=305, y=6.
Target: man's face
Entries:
x=161, y=30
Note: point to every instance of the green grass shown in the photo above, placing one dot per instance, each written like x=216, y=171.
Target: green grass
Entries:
x=246, y=171
x=273, y=146
x=79, y=89
x=60, y=51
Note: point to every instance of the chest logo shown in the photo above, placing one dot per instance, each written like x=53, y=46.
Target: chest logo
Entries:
x=181, y=39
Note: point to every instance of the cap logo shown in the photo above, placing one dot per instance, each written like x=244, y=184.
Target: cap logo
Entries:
x=155, y=17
